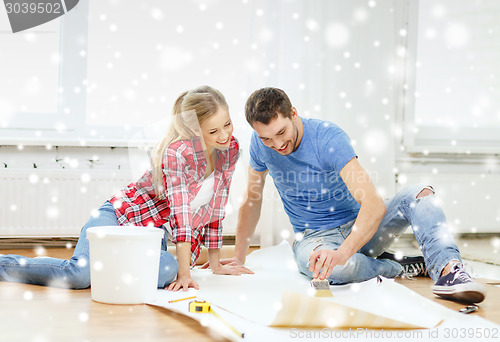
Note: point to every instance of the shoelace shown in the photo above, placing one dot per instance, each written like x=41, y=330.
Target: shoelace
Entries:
x=414, y=270
x=461, y=273
x=468, y=268
x=407, y=275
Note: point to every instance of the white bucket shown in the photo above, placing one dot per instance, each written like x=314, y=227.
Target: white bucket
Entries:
x=124, y=263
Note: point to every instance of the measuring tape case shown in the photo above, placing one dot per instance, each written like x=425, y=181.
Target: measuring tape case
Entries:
x=199, y=306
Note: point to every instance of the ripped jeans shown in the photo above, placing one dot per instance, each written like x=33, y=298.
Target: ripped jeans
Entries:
x=426, y=219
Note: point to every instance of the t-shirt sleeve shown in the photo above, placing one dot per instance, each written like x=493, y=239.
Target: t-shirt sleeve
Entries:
x=255, y=147
x=336, y=147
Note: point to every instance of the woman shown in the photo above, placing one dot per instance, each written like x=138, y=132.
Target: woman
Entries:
x=183, y=193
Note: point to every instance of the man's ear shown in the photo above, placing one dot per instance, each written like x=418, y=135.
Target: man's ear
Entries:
x=294, y=113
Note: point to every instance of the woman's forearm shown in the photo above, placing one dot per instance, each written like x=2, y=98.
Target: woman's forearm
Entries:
x=214, y=258
x=183, y=251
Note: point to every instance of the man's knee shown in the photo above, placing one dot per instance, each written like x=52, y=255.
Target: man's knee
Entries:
x=426, y=191
x=342, y=274
x=306, y=248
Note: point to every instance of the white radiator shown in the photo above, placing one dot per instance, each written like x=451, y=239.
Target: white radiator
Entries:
x=53, y=203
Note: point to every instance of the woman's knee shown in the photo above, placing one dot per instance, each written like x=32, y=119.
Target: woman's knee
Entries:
x=77, y=277
x=168, y=269
x=80, y=282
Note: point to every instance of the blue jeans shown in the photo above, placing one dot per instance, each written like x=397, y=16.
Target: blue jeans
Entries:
x=75, y=272
x=429, y=226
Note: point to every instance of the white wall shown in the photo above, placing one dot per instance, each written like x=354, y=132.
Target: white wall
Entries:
x=338, y=60
x=344, y=55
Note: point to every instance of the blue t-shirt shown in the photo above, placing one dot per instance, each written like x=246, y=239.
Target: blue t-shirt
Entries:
x=308, y=181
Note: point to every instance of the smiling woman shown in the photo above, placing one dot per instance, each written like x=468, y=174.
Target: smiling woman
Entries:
x=217, y=129
x=162, y=198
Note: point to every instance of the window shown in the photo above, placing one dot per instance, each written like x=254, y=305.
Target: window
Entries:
x=29, y=70
x=110, y=70
x=40, y=91
x=453, y=83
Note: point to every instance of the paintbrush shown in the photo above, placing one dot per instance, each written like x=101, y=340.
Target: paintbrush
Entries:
x=321, y=288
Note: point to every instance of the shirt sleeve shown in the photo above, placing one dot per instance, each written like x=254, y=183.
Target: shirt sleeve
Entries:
x=336, y=147
x=180, y=219
x=255, y=162
x=212, y=239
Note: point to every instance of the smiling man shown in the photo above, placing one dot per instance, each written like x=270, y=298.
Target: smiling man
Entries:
x=342, y=226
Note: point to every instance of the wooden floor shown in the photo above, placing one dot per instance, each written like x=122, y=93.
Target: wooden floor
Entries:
x=38, y=313
x=45, y=314
x=489, y=309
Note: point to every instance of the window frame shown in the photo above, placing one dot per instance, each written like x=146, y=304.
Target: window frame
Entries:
x=425, y=139
x=38, y=128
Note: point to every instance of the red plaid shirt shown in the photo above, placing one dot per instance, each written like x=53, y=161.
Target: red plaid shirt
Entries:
x=184, y=167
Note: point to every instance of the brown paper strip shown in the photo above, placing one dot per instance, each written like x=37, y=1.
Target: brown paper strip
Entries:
x=298, y=310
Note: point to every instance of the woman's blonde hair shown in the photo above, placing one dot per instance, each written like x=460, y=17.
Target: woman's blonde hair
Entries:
x=190, y=110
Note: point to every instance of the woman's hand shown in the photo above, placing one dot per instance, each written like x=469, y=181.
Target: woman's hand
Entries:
x=230, y=269
x=182, y=283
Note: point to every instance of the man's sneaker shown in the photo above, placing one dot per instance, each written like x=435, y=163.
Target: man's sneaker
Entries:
x=459, y=286
x=412, y=266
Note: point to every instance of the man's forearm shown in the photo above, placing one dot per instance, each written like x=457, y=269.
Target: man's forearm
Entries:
x=248, y=217
x=365, y=226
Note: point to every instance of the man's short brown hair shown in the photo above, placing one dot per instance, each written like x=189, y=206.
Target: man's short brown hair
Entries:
x=265, y=104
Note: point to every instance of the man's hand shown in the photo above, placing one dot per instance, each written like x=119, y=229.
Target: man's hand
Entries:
x=182, y=283
x=325, y=259
x=228, y=262
x=230, y=270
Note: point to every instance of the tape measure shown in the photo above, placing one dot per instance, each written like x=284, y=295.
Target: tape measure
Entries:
x=201, y=306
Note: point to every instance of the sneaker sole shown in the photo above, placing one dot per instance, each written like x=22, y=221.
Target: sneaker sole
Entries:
x=466, y=293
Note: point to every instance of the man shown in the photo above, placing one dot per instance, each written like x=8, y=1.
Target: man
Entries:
x=341, y=224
